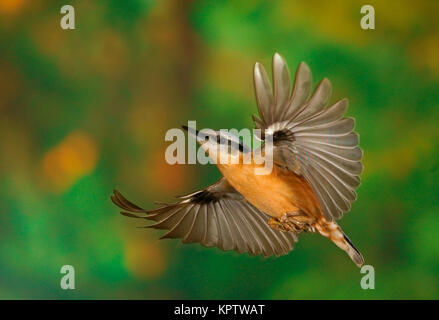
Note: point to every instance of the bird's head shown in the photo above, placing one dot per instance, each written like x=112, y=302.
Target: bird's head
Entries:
x=221, y=146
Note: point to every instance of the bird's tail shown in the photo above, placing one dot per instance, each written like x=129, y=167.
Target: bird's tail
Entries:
x=333, y=232
x=352, y=251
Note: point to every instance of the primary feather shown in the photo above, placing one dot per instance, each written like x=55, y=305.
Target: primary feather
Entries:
x=215, y=216
x=310, y=139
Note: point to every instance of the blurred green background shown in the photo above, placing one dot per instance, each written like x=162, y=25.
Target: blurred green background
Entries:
x=84, y=111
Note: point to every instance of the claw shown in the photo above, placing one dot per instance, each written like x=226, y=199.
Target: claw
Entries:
x=292, y=222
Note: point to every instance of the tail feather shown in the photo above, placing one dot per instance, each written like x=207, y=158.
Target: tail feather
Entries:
x=333, y=232
x=353, y=252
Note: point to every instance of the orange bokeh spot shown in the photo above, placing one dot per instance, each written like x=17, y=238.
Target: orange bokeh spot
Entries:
x=167, y=177
x=73, y=158
x=11, y=6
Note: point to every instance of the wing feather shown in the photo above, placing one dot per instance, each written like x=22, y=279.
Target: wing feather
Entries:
x=184, y=221
x=321, y=144
x=196, y=230
x=233, y=231
x=245, y=228
x=317, y=102
x=263, y=92
x=216, y=216
x=301, y=91
x=258, y=238
x=240, y=236
x=282, y=87
x=212, y=232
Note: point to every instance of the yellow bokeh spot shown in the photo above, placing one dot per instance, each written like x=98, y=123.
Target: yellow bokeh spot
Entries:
x=145, y=259
x=400, y=158
x=424, y=52
x=70, y=160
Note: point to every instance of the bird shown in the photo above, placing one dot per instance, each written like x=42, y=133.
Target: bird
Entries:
x=312, y=184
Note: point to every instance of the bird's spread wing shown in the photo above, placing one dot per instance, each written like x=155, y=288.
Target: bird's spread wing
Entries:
x=216, y=216
x=309, y=138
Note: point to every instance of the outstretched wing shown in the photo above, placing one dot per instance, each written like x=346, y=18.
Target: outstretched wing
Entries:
x=310, y=139
x=216, y=216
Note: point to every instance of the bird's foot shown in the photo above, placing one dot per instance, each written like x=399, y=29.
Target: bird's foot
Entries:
x=276, y=224
x=291, y=222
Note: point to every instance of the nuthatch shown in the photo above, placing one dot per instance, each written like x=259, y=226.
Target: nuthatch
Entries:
x=317, y=164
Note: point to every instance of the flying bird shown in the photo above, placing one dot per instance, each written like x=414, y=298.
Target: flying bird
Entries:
x=317, y=164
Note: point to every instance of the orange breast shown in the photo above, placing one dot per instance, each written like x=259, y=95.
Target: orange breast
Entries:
x=277, y=193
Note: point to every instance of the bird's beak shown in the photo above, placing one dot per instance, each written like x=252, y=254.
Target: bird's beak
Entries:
x=191, y=131
x=201, y=136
